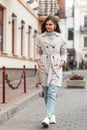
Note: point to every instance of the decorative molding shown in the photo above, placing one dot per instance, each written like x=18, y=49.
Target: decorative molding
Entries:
x=17, y=57
x=28, y=8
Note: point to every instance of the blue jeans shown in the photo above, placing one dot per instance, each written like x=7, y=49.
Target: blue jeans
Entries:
x=50, y=94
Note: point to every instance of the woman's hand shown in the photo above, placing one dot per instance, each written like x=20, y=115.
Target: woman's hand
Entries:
x=39, y=64
x=60, y=64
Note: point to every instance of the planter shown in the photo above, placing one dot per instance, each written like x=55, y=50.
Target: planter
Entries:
x=76, y=83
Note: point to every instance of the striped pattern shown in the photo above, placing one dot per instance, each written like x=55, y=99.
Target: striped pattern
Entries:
x=48, y=7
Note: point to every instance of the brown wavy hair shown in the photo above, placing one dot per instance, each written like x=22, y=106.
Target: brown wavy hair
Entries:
x=54, y=20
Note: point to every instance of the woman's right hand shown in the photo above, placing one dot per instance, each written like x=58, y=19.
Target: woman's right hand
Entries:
x=39, y=64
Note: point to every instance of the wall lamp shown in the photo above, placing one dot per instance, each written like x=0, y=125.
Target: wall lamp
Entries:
x=29, y=29
x=22, y=24
x=30, y=1
x=35, y=33
x=13, y=18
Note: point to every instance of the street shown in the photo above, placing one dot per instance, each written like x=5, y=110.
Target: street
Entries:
x=71, y=111
x=39, y=38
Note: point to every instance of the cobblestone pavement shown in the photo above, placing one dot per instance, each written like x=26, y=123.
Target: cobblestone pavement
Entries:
x=71, y=112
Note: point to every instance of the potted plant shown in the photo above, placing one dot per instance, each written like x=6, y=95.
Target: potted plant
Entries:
x=76, y=80
x=76, y=77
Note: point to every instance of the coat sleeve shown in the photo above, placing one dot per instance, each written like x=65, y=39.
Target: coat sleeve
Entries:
x=63, y=49
x=38, y=50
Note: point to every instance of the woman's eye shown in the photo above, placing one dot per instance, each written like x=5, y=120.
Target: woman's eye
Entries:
x=48, y=24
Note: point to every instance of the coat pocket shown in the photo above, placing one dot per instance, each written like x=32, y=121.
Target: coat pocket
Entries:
x=43, y=60
x=43, y=76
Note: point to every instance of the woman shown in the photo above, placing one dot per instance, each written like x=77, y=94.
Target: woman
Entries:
x=50, y=56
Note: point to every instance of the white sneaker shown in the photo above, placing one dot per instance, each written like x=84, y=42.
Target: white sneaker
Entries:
x=52, y=119
x=45, y=122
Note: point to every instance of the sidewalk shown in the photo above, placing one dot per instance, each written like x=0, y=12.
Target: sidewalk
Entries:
x=71, y=110
x=17, y=99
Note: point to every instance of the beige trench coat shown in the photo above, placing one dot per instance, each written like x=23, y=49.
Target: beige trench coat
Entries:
x=50, y=52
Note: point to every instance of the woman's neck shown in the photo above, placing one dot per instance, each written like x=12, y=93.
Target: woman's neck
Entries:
x=50, y=33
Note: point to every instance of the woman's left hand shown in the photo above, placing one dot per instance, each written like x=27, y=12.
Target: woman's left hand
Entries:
x=60, y=64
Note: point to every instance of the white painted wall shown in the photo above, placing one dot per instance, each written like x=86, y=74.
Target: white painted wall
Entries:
x=80, y=10
x=69, y=21
x=69, y=24
x=13, y=6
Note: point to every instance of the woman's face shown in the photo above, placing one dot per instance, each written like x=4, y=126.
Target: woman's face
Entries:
x=49, y=26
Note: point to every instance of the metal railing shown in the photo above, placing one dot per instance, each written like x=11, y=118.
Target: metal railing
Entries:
x=5, y=79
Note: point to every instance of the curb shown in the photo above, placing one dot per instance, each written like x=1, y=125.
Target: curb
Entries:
x=16, y=106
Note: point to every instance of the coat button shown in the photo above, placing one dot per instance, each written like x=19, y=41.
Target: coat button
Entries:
x=53, y=46
x=46, y=56
x=53, y=56
x=46, y=46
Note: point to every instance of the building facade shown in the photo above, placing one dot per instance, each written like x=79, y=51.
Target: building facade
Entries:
x=19, y=26
x=70, y=37
x=80, y=31
x=20, y=22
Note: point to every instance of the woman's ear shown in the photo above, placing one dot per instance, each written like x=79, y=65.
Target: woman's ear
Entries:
x=55, y=27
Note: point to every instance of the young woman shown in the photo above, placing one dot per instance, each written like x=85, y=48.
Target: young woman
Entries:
x=50, y=56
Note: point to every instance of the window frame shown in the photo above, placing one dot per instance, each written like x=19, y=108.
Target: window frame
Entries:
x=85, y=38
x=85, y=20
x=1, y=24
x=70, y=30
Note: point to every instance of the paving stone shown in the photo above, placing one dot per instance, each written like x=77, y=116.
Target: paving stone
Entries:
x=71, y=112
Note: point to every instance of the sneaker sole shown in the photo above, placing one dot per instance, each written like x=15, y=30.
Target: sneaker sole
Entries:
x=52, y=122
x=45, y=124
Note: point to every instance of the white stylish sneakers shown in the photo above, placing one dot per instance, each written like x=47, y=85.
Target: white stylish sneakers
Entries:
x=45, y=122
x=52, y=119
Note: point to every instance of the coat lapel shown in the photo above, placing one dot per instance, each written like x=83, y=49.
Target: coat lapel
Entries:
x=46, y=40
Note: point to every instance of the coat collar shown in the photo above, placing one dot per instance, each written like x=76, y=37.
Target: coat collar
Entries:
x=56, y=33
x=47, y=41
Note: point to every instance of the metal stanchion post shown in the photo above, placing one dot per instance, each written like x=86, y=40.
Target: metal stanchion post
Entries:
x=3, y=88
x=24, y=72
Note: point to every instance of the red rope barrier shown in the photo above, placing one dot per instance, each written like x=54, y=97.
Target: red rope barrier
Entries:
x=5, y=78
x=11, y=85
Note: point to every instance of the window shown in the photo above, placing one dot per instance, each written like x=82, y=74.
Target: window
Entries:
x=1, y=29
x=1, y=14
x=86, y=55
x=70, y=34
x=13, y=35
x=13, y=32
x=0, y=38
x=85, y=41
x=22, y=38
x=35, y=34
x=29, y=32
x=85, y=21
